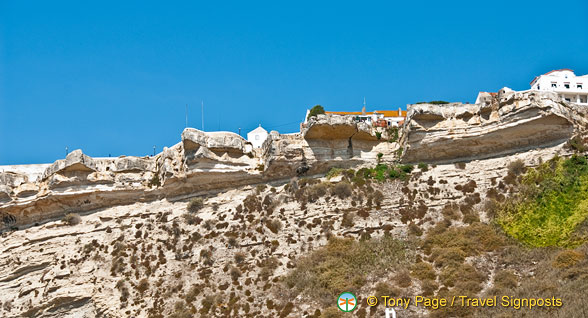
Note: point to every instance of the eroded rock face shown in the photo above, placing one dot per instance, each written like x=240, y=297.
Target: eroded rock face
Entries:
x=508, y=123
x=133, y=164
x=75, y=161
x=328, y=127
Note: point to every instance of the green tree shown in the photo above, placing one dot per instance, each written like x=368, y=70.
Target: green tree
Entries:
x=317, y=109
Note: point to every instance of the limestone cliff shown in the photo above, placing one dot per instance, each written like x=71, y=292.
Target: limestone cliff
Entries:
x=507, y=123
x=136, y=252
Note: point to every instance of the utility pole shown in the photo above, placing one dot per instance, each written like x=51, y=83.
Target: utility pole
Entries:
x=202, y=115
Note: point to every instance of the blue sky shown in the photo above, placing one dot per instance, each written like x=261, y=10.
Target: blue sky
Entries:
x=113, y=77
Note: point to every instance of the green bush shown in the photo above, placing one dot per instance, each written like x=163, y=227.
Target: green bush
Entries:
x=379, y=172
x=406, y=168
x=393, y=134
x=577, y=144
x=333, y=173
x=552, y=202
x=394, y=174
x=316, y=110
x=154, y=181
x=423, y=166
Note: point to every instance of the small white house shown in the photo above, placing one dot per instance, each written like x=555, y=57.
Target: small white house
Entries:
x=565, y=83
x=257, y=136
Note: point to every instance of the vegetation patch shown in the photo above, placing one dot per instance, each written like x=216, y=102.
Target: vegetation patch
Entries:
x=343, y=265
x=552, y=201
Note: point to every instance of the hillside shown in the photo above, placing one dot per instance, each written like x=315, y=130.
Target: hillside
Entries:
x=473, y=200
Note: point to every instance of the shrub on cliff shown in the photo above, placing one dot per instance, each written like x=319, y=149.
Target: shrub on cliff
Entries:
x=516, y=167
x=406, y=168
x=577, y=144
x=327, y=271
x=195, y=205
x=551, y=203
x=342, y=190
x=72, y=219
x=392, y=134
x=316, y=110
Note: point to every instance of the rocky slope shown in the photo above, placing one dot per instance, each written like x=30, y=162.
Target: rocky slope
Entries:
x=144, y=246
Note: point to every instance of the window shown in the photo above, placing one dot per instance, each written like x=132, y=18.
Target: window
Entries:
x=579, y=86
x=567, y=85
x=568, y=100
x=256, y=137
x=554, y=85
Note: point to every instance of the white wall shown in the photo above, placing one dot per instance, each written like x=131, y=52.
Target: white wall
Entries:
x=257, y=137
x=573, y=93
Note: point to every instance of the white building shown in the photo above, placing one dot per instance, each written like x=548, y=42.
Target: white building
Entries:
x=565, y=83
x=257, y=136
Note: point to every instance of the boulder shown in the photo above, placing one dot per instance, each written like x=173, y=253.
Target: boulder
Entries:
x=12, y=179
x=5, y=193
x=192, y=139
x=133, y=164
x=75, y=161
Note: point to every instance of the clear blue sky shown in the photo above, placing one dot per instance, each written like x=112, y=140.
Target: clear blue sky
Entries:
x=113, y=77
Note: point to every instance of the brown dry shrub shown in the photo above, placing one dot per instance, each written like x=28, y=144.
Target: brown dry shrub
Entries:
x=252, y=203
x=402, y=278
x=429, y=287
x=72, y=219
x=453, y=275
x=235, y=273
x=516, y=167
x=414, y=229
x=505, y=279
x=342, y=190
x=347, y=220
x=143, y=285
x=240, y=257
x=383, y=289
x=274, y=225
x=451, y=211
x=567, y=258
x=423, y=271
x=195, y=205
